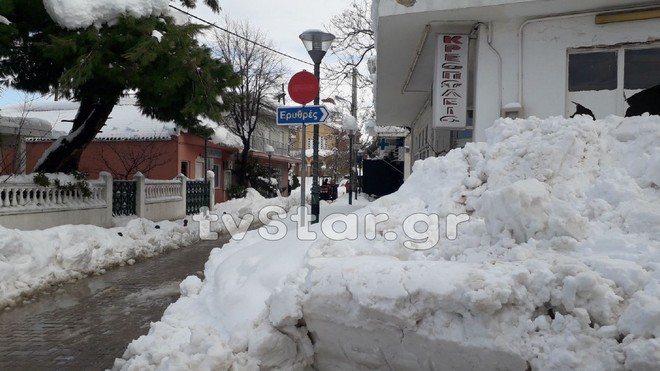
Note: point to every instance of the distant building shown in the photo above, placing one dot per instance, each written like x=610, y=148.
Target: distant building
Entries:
x=131, y=142
x=268, y=133
x=14, y=131
x=330, y=144
x=448, y=69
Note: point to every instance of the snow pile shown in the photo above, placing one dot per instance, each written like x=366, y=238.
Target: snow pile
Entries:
x=73, y=14
x=557, y=268
x=31, y=261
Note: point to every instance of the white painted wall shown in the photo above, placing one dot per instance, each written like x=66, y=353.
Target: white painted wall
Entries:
x=393, y=7
x=545, y=46
x=545, y=43
x=42, y=219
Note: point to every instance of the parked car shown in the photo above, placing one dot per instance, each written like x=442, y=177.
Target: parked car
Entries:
x=328, y=190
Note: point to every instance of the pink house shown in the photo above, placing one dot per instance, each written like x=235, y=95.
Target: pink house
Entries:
x=131, y=142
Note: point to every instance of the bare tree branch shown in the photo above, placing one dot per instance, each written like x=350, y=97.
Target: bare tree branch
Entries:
x=126, y=161
x=355, y=42
x=261, y=71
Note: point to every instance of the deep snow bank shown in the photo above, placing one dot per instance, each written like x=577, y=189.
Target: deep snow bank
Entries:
x=31, y=261
x=557, y=268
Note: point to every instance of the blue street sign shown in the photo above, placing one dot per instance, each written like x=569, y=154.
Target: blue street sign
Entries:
x=300, y=115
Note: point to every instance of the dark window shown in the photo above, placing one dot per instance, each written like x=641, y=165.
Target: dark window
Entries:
x=592, y=71
x=216, y=180
x=642, y=68
x=464, y=134
x=185, y=167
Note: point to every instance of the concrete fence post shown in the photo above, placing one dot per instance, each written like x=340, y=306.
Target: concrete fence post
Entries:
x=140, y=196
x=184, y=192
x=107, y=192
x=210, y=175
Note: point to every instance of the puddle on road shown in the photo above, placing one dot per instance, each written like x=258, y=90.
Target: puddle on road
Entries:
x=164, y=290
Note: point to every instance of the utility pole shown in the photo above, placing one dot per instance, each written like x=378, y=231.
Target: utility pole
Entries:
x=351, y=181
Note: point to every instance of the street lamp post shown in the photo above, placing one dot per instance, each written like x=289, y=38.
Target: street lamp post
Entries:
x=350, y=126
x=269, y=151
x=358, y=165
x=351, y=133
x=317, y=44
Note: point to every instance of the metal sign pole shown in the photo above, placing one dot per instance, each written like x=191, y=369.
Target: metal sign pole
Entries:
x=303, y=171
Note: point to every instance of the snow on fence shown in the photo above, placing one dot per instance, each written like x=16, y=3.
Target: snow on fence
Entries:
x=25, y=205
x=27, y=196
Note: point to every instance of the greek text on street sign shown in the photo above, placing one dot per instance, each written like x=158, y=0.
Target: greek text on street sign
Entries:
x=300, y=115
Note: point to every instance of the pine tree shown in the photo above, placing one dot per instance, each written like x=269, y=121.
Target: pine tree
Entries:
x=173, y=77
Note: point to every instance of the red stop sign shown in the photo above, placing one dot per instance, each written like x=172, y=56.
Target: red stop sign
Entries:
x=303, y=87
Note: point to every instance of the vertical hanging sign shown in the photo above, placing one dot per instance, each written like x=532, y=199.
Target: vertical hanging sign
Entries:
x=450, y=82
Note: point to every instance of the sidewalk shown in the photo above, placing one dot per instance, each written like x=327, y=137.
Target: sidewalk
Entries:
x=86, y=325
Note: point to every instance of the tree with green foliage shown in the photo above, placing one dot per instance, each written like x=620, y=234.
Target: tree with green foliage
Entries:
x=173, y=77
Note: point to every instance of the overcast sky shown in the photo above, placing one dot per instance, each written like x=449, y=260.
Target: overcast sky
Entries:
x=281, y=20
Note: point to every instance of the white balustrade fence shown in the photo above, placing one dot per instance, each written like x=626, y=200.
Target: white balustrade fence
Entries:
x=25, y=205
x=24, y=196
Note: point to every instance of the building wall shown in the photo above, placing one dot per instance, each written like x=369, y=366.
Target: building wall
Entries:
x=545, y=46
x=191, y=150
x=268, y=133
x=7, y=159
x=547, y=65
x=393, y=7
x=326, y=133
x=329, y=139
x=122, y=159
x=156, y=159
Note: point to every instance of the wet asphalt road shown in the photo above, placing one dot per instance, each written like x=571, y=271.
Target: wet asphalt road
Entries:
x=87, y=324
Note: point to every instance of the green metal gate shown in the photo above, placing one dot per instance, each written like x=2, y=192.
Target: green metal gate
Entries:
x=198, y=194
x=123, y=197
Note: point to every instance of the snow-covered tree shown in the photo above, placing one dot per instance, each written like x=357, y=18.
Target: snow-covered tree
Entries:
x=173, y=77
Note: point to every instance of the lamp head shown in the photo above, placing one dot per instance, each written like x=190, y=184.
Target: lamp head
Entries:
x=349, y=124
x=317, y=43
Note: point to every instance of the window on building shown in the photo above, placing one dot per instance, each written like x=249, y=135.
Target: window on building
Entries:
x=641, y=69
x=199, y=169
x=310, y=143
x=185, y=168
x=323, y=143
x=216, y=180
x=601, y=81
x=227, y=182
x=592, y=71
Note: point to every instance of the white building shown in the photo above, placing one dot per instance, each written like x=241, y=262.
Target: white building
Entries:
x=517, y=58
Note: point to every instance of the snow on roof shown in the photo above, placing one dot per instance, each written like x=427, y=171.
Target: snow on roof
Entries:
x=222, y=135
x=24, y=126
x=126, y=122
x=73, y=14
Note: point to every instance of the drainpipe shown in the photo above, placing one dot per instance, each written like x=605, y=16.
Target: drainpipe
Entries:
x=553, y=18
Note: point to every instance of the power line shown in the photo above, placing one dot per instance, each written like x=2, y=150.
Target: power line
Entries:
x=241, y=37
